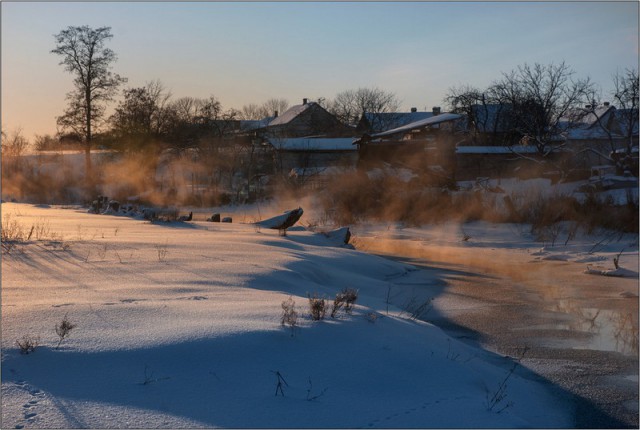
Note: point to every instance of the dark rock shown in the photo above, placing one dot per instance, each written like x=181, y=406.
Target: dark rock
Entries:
x=214, y=218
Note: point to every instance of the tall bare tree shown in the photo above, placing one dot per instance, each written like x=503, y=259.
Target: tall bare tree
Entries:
x=84, y=54
x=539, y=97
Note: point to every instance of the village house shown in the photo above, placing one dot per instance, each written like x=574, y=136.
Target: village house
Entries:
x=311, y=161
x=626, y=121
x=304, y=120
x=424, y=145
x=377, y=122
x=593, y=135
x=303, y=144
x=585, y=138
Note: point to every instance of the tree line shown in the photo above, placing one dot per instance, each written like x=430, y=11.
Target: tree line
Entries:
x=531, y=101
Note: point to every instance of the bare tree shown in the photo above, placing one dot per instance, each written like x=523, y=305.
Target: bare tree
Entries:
x=348, y=106
x=486, y=117
x=539, y=97
x=14, y=144
x=462, y=99
x=267, y=109
x=85, y=56
x=250, y=112
x=142, y=116
x=46, y=142
x=184, y=108
x=625, y=96
x=207, y=111
x=271, y=106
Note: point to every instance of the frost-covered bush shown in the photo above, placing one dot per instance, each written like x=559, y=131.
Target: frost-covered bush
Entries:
x=27, y=344
x=344, y=300
x=317, y=307
x=289, y=314
x=63, y=329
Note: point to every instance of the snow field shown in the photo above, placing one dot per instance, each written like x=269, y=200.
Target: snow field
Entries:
x=178, y=325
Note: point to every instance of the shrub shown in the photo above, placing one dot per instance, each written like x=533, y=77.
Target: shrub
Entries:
x=63, y=329
x=344, y=299
x=289, y=314
x=162, y=252
x=27, y=344
x=317, y=307
x=12, y=230
x=13, y=233
x=372, y=317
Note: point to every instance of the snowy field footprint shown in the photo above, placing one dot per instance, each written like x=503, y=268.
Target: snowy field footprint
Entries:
x=29, y=409
x=384, y=422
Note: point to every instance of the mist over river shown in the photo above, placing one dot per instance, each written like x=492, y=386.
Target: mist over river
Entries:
x=503, y=292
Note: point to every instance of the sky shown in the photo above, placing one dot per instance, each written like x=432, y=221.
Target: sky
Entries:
x=249, y=52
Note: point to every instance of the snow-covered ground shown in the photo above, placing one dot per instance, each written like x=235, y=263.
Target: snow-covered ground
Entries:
x=179, y=325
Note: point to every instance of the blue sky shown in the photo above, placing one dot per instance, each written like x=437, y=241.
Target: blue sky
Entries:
x=248, y=52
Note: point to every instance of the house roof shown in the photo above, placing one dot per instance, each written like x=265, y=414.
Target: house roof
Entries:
x=586, y=117
x=589, y=133
x=390, y=120
x=313, y=144
x=427, y=122
x=515, y=149
x=248, y=125
x=291, y=113
x=587, y=123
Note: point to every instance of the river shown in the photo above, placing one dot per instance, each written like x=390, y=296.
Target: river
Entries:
x=581, y=330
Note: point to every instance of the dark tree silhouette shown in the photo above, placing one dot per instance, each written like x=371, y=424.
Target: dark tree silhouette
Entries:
x=85, y=56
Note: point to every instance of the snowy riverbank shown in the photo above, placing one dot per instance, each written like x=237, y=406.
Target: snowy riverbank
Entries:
x=179, y=325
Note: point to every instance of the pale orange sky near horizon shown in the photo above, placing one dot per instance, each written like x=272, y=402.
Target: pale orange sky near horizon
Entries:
x=249, y=52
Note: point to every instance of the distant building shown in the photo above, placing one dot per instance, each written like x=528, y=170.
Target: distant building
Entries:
x=425, y=143
x=591, y=134
x=372, y=122
x=304, y=120
x=308, y=161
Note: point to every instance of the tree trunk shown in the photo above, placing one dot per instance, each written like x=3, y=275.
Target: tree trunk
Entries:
x=88, y=171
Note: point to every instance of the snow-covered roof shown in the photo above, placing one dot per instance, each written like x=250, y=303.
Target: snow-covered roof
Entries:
x=434, y=120
x=586, y=117
x=588, y=134
x=517, y=149
x=248, y=125
x=634, y=150
x=290, y=114
x=387, y=120
x=313, y=144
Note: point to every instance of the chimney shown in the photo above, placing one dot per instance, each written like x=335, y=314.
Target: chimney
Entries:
x=606, y=104
x=275, y=114
x=414, y=109
x=304, y=101
x=587, y=106
x=436, y=110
